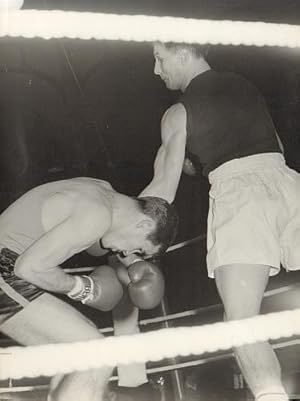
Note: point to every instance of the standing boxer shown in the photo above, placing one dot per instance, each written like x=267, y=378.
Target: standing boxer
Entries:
x=254, y=215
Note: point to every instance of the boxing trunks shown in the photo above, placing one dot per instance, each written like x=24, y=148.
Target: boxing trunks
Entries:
x=15, y=293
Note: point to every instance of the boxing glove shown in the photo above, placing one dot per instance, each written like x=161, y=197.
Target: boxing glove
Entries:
x=146, y=286
x=101, y=289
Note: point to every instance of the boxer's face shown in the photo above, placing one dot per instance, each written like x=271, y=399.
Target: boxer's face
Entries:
x=168, y=66
x=133, y=239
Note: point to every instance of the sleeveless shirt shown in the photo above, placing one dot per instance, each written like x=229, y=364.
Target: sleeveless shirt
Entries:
x=227, y=118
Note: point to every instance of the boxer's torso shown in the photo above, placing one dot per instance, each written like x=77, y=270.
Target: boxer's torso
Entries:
x=227, y=118
x=25, y=220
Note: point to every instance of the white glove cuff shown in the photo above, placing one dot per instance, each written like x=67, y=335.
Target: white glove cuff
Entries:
x=91, y=294
x=83, y=289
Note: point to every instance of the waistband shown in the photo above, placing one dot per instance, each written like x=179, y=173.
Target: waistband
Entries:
x=248, y=163
x=7, y=262
x=15, y=292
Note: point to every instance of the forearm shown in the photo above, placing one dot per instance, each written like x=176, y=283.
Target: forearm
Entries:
x=52, y=279
x=165, y=178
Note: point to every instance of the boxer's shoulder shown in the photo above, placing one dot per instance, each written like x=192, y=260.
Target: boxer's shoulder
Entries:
x=79, y=207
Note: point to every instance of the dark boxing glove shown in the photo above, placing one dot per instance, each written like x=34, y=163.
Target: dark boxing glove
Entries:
x=101, y=289
x=147, y=285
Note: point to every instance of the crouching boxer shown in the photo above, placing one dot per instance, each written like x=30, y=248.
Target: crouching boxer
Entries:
x=48, y=225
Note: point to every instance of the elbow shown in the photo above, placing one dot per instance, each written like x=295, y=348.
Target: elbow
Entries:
x=170, y=199
x=161, y=189
x=22, y=270
x=167, y=194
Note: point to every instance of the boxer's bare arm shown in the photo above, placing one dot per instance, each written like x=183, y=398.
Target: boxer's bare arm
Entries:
x=71, y=234
x=170, y=156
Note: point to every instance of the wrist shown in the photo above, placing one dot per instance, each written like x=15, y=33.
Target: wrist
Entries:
x=77, y=286
x=83, y=289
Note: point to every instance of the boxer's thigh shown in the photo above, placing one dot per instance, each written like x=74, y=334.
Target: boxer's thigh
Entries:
x=47, y=319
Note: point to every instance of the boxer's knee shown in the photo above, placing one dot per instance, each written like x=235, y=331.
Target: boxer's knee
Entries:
x=53, y=385
x=241, y=288
x=89, y=385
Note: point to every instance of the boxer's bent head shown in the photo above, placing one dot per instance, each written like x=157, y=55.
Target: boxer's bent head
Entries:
x=165, y=218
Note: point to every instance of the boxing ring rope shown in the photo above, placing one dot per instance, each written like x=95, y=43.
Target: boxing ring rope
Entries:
x=141, y=28
x=52, y=359
x=158, y=369
x=195, y=312
x=170, y=249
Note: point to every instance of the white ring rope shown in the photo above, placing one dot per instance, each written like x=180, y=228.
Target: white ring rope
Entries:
x=142, y=28
x=158, y=369
x=198, y=311
x=51, y=359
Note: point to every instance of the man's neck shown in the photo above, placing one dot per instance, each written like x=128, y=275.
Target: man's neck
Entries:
x=123, y=208
x=197, y=69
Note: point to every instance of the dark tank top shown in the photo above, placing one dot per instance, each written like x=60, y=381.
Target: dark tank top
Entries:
x=227, y=118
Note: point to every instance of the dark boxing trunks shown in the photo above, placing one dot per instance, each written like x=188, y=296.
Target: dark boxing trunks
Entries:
x=15, y=293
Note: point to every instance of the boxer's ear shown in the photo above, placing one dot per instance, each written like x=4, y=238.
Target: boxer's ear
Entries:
x=184, y=56
x=147, y=225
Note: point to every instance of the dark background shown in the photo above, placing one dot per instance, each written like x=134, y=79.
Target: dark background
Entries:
x=92, y=108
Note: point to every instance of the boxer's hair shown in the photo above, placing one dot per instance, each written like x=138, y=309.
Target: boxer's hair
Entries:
x=165, y=217
x=197, y=50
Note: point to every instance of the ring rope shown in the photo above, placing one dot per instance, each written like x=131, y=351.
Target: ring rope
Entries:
x=185, y=243
x=51, y=359
x=49, y=24
x=197, y=311
x=157, y=369
x=170, y=249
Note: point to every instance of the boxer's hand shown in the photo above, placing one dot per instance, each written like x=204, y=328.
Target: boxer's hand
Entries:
x=146, y=287
x=101, y=289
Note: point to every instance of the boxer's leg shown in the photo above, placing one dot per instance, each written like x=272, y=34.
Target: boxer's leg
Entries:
x=241, y=288
x=50, y=320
